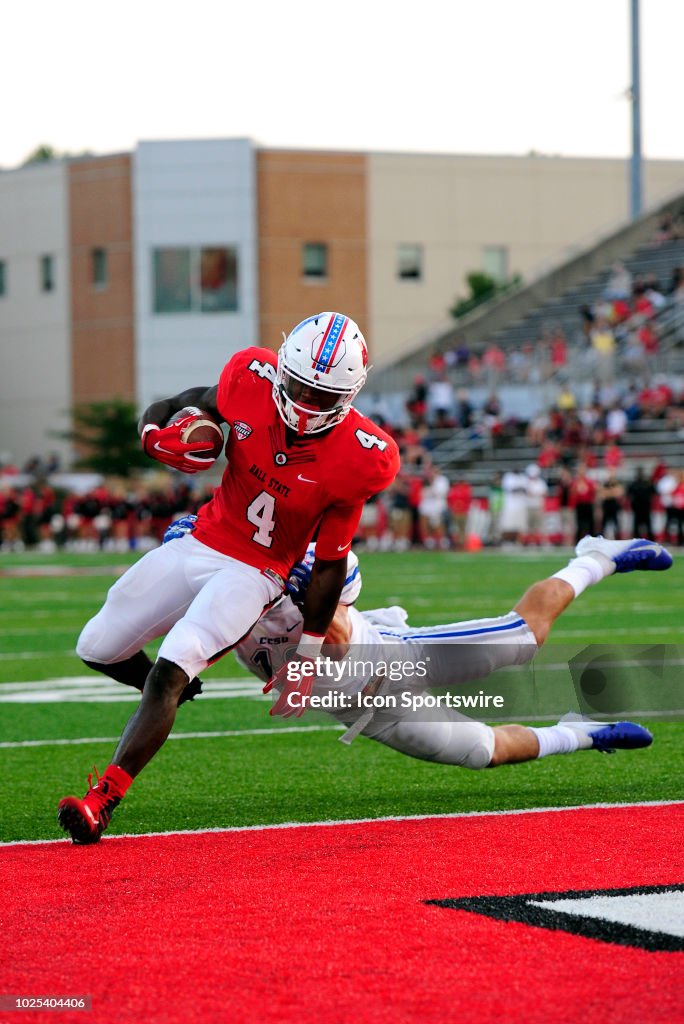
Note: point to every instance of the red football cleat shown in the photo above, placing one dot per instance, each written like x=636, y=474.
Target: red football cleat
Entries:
x=85, y=820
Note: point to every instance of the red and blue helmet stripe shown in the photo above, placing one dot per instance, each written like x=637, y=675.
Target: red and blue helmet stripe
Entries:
x=323, y=360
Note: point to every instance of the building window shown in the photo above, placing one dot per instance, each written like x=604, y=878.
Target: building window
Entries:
x=47, y=274
x=195, y=280
x=98, y=268
x=495, y=262
x=315, y=259
x=410, y=262
x=218, y=280
x=3, y=278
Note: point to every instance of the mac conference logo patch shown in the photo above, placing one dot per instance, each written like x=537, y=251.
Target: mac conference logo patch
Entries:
x=649, y=917
x=242, y=430
x=280, y=458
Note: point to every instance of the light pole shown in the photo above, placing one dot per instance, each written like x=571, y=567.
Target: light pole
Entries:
x=635, y=95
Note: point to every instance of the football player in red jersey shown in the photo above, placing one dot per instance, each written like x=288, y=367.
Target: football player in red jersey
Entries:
x=301, y=460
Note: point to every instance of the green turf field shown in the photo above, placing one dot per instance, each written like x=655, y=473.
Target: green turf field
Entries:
x=288, y=775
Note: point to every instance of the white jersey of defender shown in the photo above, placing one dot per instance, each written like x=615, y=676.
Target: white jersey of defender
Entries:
x=450, y=655
x=455, y=654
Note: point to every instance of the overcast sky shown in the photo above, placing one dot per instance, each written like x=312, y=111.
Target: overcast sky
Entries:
x=453, y=76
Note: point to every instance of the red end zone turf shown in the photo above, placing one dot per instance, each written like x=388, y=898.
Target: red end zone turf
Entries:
x=329, y=923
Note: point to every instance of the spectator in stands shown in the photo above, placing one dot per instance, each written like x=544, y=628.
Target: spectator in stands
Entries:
x=665, y=485
x=641, y=302
x=603, y=347
x=400, y=517
x=372, y=525
x=567, y=512
x=558, y=350
x=492, y=420
x=416, y=405
x=592, y=418
x=442, y=421
x=437, y=363
x=634, y=358
x=655, y=400
x=520, y=365
x=574, y=435
x=459, y=500
x=495, y=503
x=587, y=319
x=676, y=290
x=619, y=284
x=433, y=508
x=647, y=334
x=9, y=517
x=379, y=411
x=461, y=354
x=611, y=495
x=474, y=368
x=582, y=498
x=536, y=490
x=539, y=428
x=549, y=455
x=616, y=422
x=464, y=409
x=441, y=398
x=678, y=506
x=640, y=494
x=514, y=507
x=566, y=400
x=612, y=457
x=494, y=364
x=654, y=293
x=670, y=227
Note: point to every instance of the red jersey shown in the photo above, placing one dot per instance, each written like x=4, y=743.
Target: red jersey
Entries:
x=279, y=487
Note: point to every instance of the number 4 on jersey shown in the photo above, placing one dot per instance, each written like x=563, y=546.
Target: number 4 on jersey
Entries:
x=370, y=440
x=261, y=513
x=263, y=370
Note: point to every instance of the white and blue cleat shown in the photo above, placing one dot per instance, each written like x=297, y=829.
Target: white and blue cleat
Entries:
x=607, y=737
x=628, y=555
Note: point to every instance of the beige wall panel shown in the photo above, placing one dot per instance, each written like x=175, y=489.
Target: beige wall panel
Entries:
x=103, y=353
x=35, y=380
x=538, y=208
x=310, y=197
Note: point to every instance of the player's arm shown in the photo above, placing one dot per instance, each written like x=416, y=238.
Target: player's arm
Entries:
x=160, y=412
x=321, y=600
x=293, y=682
x=328, y=576
x=335, y=535
x=164, y=442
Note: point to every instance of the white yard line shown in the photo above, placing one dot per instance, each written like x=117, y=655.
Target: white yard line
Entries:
x=79, y=741
x=354, y=821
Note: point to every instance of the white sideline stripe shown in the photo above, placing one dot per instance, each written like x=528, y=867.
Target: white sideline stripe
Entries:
x=23, y=655
x=352, y=821
x=93, y=681
x=90, y=690
x=80, y=740
x=18, y=744
x=558, y=634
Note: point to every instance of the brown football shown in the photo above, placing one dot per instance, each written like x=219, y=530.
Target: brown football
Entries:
x=201, y=428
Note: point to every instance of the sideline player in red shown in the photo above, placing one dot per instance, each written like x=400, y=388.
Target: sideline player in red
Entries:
x=301, y=459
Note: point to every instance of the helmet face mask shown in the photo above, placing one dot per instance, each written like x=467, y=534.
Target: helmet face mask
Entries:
x=322, y=365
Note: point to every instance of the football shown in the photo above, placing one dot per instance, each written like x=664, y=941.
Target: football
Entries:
x=201, y=428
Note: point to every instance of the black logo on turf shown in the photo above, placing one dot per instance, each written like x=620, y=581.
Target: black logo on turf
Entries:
x=624, y=923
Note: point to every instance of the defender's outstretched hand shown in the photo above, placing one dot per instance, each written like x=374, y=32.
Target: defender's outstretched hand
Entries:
x=179, y=528
x=296, y=679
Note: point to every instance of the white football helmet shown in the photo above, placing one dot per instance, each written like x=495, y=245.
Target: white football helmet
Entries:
x=322, y=365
